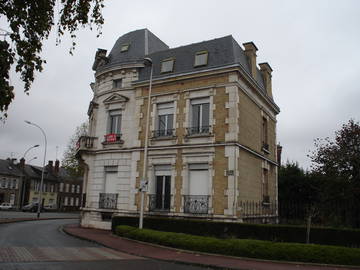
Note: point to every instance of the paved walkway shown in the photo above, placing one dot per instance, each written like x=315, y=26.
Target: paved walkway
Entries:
x=106, y=238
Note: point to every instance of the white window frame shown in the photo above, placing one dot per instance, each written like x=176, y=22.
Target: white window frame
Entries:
x=198, y=57
x=167, y=65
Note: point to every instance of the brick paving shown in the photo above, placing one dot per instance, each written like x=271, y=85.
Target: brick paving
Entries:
x=45, y=254
x=137, y=248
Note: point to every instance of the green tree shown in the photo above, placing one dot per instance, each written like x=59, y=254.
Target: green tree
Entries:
x=69, y=161
x=30, y=23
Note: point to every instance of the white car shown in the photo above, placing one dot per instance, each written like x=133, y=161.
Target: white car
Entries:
x=6, y=206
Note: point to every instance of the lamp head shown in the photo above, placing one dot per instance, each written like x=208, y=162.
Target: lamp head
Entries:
x=148, y=61
x=36, y=145
x=28, y=122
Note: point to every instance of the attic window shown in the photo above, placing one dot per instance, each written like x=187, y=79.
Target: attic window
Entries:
x=167, y=65
x=201, y=58
x=125, y=47
x=117, y=83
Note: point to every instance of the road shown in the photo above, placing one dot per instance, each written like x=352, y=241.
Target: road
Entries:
x=42, y=245
x=18, y=214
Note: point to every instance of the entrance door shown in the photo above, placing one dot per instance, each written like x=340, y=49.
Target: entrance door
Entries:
x=163, y=185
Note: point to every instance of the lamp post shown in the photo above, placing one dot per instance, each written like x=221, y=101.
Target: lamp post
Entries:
x=23, y=185
x=144, y=181
x=32, y=159
x=43, y=168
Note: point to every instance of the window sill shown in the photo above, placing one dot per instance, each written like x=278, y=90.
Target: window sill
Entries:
x=266, y=151
x=116, y=143
x=163, y=138
x=199, y=135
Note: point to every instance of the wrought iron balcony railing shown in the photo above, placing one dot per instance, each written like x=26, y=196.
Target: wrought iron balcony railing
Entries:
x=163, y=133
x=159, y=203
x=203, y=130
x=196, y=204
x=108, y=200
x=265, y=147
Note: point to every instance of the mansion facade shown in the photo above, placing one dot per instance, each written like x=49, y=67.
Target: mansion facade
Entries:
x=212, y=140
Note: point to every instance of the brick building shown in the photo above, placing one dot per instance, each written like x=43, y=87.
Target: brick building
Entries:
x=213, y=130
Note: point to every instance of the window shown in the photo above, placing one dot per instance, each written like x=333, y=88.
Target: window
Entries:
x=67, y=187
x=264, y=135
x=200, y=115
x=61, y=187
x=265, y=188
x=114, y=122
x=66, y=201
x=117, y=83
x=167, y=65
x=161, y=200
x=165, y=113
x=78, y=189
x=72, y=188
x=71, y=201
x=125, y=47
x=201, y=59
x=52, y=188
x=76, y=201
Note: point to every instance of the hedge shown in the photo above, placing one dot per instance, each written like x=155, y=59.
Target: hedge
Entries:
x=246, y=248
x=278, y=233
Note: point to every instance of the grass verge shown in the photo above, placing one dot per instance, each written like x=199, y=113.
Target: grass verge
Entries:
x=247, y=248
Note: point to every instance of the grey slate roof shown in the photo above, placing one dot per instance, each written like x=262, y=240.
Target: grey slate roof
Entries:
x=141, y=42
x=6, y=168
x=222, y=52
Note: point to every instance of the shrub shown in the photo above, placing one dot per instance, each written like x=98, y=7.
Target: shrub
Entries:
x=247, y=248
x=278, y=233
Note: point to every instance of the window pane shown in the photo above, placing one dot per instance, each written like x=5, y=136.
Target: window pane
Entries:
x=195, y=115
x=167, y=65
x=169, y=125
x=205, y=115
x=201, y=59
x=162, y=122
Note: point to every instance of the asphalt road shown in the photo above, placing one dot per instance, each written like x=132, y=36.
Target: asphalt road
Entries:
x=42, y=245
x=18, y=214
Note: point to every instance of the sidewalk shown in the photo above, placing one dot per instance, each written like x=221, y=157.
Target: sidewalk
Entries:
x=106, y=238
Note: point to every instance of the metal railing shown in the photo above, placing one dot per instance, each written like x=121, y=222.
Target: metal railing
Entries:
x=257, y=209
x=85, y=142
x=196, y=204
x=108, y=200
x=163, y=133
x=155, y=205
x=203, y=130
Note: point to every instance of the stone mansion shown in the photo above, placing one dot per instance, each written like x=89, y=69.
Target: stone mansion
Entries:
x=212, y=140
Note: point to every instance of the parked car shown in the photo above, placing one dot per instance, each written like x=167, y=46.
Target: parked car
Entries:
x=31, y=207
x=6, y=206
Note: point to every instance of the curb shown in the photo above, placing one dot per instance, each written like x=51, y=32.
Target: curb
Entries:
x=6, y=221
x=290, y=263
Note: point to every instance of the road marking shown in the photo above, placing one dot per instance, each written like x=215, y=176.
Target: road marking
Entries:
x=45, y=254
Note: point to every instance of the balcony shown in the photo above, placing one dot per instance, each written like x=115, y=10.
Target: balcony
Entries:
x=158, y=203
x=113, y=138
x=108, y=200
x=201, y=131
x=196, y=204
x=163, y=133
x=85, y=143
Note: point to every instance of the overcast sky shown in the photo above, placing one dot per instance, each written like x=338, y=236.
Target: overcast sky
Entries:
x=312, y=46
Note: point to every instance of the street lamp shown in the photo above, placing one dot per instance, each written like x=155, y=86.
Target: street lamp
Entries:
x=32, y=159
x=36, y=145
x=43, y=168
x=144, y=181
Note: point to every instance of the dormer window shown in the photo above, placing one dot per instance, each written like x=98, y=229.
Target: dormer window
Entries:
x=167, y=65
x=125, y=47
x=117, y=83
x=201, y=58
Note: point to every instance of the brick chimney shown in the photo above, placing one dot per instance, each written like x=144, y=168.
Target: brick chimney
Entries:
x=50, y=166
x=22, y=163
x=250, y=52
x=57, y=167
x=266, y=71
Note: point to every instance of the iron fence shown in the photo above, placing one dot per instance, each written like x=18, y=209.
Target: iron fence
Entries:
x=196, y=204
x=108, y=200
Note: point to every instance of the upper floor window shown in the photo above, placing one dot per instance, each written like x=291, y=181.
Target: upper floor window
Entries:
x=67, y=188
x=167, y=65
x=201, y=58
x=264, y=135
x=165, y=112
x=125, y=47
x=78, y=189
x=117, y=83
x=200, y=116
x=114, y=122
x=61, y=188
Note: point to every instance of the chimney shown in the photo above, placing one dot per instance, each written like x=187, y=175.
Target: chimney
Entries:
x=266, y=71
x=250, y=52
x=50, y=166
x=22, y=163
x=57, y=166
